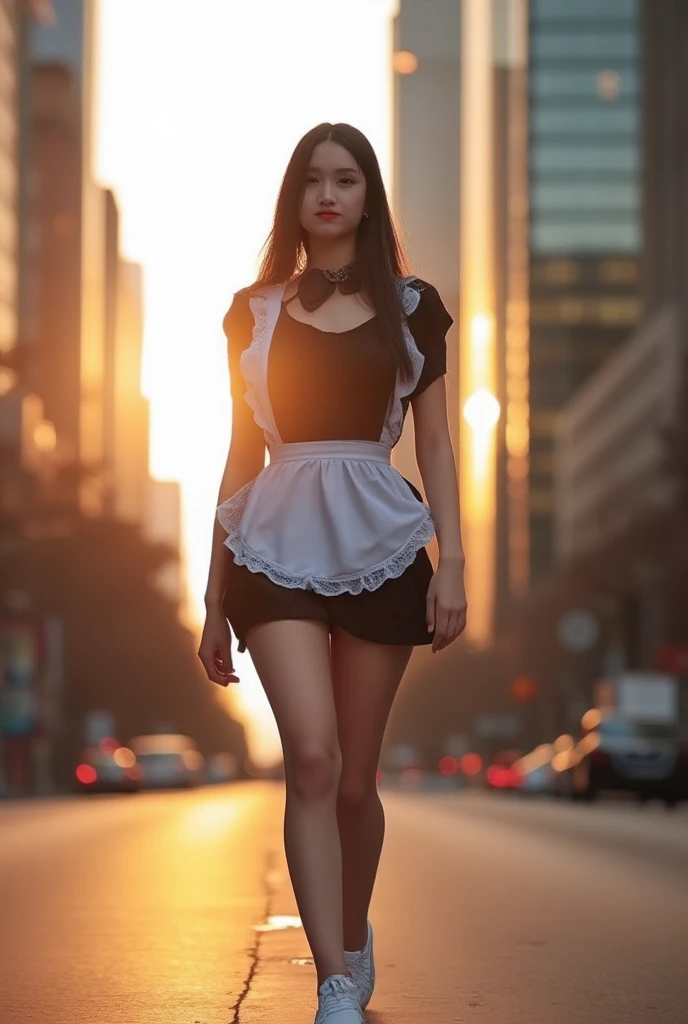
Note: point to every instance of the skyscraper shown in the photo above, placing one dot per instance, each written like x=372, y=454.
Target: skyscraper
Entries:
x=51, y=330
x=69, y=212
x=425, y=194
x=512, y=295
x=111, y=300
x=20, y=411
x=665, y=162
x=9, y=30
x=585, y=213
x=131, y=409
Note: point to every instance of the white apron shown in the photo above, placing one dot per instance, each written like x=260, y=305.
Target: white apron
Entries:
x=330, y=516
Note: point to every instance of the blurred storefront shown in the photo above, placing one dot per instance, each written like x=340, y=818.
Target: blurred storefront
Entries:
x=30, y=701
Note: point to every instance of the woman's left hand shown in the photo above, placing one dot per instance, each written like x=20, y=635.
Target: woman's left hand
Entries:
x=446, y=605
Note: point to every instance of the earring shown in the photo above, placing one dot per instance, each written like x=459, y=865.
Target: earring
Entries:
x=365, y=216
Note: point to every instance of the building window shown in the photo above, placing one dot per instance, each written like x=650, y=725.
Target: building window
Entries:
x=541, y=464
x=541, y=501
x=555, y=272
x=557, y=157
x=593, y=120
x=618, y=271
x=581, y=310
x=588, y=195
x=620, y=311
x=604, y=46
x=585, y=236
x=543, y=423
x=582, y=10
x=565, y=83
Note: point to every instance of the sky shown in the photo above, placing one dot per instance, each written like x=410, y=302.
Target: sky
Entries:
x=201, y=103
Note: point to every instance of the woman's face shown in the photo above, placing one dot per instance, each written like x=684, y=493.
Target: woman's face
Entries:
x=335, y=183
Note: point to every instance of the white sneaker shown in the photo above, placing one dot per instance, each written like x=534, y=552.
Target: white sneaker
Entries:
x=338, y=1001
x=362, y=967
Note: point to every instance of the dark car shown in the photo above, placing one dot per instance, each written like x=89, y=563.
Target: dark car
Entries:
x=107, y=769
x=646, y=759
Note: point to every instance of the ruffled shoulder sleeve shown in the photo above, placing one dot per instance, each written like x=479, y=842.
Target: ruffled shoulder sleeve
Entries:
x=429, y=324
x=238, y=327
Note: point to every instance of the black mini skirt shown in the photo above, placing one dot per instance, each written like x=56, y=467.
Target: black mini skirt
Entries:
x=395, y=613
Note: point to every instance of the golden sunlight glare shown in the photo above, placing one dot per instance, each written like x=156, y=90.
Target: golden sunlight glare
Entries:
x=477, y=375
x=481, y=410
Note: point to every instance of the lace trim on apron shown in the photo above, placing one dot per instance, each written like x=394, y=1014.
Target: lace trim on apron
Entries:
x=330, y=516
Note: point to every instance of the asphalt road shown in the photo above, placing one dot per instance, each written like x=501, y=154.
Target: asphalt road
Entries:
x=177, y=908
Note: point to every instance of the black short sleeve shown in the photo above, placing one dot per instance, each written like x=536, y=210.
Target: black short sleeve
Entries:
x=429, y=324
x=238, y=328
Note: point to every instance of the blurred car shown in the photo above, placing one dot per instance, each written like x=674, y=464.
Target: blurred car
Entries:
x=537, y=780
x=623, y=755
x=168, y=761
x=221, y=768
x=535, y=770
x=503, y=777
x=503, y=772
x=109, y=767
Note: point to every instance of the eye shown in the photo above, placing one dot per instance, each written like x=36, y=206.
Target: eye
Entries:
x=350, y=180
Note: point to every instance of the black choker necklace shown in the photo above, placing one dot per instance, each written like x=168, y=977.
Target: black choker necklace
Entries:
x=316, y=285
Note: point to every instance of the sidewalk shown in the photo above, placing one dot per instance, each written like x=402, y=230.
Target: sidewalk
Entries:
x=283, y=975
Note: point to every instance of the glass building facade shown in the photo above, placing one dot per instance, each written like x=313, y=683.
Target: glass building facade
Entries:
x=8, y=177
x=585, y=221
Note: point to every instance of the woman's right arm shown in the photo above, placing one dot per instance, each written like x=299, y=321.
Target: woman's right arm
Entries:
x=245, y=460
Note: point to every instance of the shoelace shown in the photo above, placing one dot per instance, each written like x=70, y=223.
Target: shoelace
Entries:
x=335, y=987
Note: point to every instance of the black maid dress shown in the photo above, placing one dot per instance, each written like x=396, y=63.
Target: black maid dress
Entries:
x=324, y=386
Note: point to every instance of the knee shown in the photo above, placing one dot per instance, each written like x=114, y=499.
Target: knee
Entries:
x=355, y=793
x=315, y=772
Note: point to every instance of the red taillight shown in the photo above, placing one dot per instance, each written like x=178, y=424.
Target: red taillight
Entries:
x=86, y=774
x=471, y=764
x=448, y=765
x=501, y=777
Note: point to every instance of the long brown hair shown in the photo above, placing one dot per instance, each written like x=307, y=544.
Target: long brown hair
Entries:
x=378, y=247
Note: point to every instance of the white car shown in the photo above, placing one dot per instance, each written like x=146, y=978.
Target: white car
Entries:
x=168, y=761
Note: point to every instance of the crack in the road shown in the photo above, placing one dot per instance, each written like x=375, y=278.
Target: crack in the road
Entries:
x=254, y=953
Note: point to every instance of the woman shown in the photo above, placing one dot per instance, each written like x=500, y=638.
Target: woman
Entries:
x=318, y=560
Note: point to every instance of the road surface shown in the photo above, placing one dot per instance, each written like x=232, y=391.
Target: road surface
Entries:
x=175, y=908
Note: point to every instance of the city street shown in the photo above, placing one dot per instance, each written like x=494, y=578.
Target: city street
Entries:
x=489, y=910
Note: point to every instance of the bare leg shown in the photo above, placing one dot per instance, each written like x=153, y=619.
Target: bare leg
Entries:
x=292, y=659
x=366, y=677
